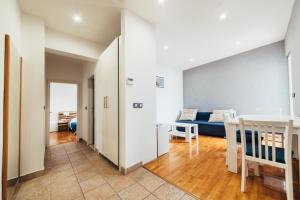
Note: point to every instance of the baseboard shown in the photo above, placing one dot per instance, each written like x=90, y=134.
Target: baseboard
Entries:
x=82, y=140
x=131, y=169
x=12, y=182
x=155, y=159
x=33, y=175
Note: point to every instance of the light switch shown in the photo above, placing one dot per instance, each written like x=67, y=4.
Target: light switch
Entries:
x=137, y=105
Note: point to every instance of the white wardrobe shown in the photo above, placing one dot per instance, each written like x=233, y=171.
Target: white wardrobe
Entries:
x=107, y=103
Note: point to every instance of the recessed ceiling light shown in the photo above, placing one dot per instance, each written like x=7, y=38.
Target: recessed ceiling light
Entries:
x=238, y=43
x=77, y=18
x=223, y=16
x=166, y=47
x=191, y=60
x=161, y=1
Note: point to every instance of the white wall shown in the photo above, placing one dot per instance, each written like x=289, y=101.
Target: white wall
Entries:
x=9, y=9
x=33, y=98
x=257, y=79
x=169, y=100
x=63, y=97
x=138, y=61
x=88, y=71
x=61, y=68
x=78, y=47
x=292, y=45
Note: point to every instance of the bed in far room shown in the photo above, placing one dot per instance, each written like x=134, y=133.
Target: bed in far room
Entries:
x=73, y=125
x=67, y=121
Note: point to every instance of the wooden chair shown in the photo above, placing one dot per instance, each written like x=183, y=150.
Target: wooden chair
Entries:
x=268, y=154
x=227, y=118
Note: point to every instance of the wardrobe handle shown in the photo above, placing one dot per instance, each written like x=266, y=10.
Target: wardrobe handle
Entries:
x=104, y=102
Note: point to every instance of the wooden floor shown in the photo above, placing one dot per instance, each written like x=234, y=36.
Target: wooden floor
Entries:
x=201, y=170
x=56, y=138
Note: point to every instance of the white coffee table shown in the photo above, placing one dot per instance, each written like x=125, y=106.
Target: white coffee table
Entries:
x=188, y=134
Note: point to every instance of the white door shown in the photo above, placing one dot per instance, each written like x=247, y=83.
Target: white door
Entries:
x=53, y=121
x=110, y=130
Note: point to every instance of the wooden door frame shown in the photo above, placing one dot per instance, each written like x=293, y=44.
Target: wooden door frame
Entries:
x=5, y=116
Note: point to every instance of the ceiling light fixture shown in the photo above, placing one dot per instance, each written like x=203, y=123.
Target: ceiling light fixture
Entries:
x=161, y=1
x=223, y=17
x=191, y=60
x=238, y=43
x=77, y=18
x=166, y=48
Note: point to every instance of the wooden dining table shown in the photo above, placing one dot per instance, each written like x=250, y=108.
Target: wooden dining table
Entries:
x=234, y=124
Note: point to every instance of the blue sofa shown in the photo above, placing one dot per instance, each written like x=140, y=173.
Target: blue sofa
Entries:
x=204, y=127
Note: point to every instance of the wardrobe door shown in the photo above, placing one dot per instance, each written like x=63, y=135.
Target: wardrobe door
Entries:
x=110, y=134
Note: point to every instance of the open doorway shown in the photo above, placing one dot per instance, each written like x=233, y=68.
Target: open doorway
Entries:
x=91, y=113
x=63, y=113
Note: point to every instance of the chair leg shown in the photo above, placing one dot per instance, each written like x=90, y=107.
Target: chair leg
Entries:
x=289, y=183
x=244, y=173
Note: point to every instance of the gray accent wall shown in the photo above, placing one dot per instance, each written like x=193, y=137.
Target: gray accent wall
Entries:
x=292, y=46
x=247, y=82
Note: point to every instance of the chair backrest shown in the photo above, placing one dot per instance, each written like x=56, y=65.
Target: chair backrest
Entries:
x=260, y=129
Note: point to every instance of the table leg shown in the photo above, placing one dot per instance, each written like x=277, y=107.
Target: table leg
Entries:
x=196, y=132
x=231, y=154
x=187, y=134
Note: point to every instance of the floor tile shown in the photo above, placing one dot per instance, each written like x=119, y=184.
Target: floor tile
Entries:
x=119, y=182
x=167, y=191
x=114, y=197
x=92, y=183
x=138, y=173
x=101, y=192
x=151, y=197
x=68, y=189
x=134, y=192
x=150, y=181
x=76, y=156
x=61, y=176
x=59, y=168
x=83, y=167
x=36, y=193
x=188, y=197
x=79, y=162
x=85, y=175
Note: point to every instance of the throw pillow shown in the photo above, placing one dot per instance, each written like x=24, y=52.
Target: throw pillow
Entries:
x=216, y=118
x=188, y=114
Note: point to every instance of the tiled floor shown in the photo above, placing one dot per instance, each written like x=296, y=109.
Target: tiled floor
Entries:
x=74, y=172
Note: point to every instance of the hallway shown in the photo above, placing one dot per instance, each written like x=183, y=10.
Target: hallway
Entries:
x=74, y=172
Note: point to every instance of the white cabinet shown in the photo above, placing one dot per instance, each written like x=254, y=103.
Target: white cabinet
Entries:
x=108, y=107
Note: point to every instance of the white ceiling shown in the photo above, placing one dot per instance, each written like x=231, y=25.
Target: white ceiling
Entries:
x=100, y=18
x=190, y=28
